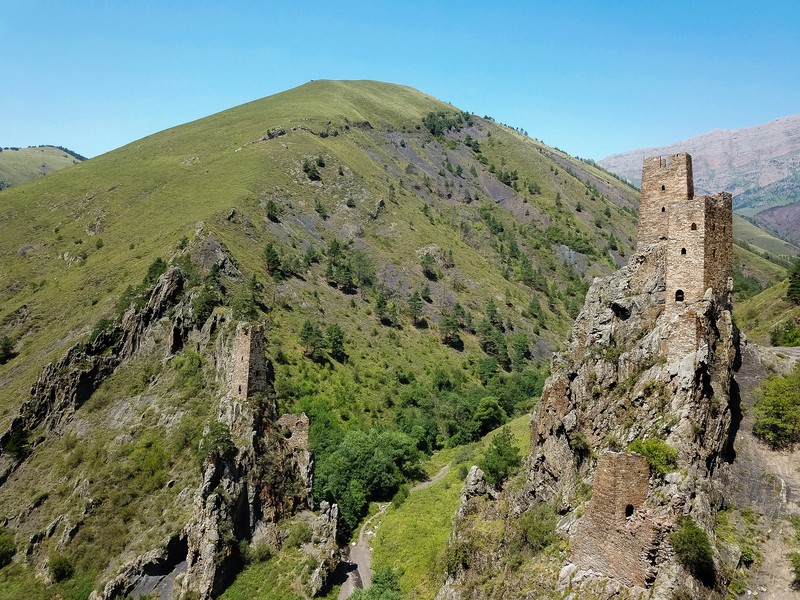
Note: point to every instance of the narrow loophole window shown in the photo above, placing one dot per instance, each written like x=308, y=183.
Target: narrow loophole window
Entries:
x=694, y=226
x=679, y=296
x=663, y=209
x=683, y=250
x=629, y=511
x=663, y=188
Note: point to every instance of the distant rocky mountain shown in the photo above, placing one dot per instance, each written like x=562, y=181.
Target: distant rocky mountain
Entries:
x=782, y=221
x=759, y=165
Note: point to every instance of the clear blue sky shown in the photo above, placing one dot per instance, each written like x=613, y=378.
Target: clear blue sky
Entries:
x=592, y=78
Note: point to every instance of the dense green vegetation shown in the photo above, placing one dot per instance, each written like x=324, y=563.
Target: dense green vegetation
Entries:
x=502, y=458
x=777, y=410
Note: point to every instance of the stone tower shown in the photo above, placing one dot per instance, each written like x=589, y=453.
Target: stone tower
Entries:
x=698, y=235
x=251, y=371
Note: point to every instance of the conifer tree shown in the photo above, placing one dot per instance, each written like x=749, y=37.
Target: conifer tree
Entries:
x=793, y=293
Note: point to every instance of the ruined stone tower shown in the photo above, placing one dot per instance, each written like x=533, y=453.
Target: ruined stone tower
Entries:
x=250, y=374
x=698, y=235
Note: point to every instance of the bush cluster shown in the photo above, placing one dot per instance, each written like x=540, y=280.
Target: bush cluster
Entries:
x=661, y=456
x=502, y=458
x=777, y=410
x=693, y=549
x=364, y=466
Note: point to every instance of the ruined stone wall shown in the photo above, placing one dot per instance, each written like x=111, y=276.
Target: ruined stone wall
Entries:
x=719, y=242
x=250, y=374
x=295, y=430
x=664, y=182
x=617, y=536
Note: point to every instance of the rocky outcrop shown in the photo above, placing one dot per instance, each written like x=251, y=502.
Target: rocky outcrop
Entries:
x=324, y=548
x=63, y=387
x=258, y=473
x=266, y=478
x=156, y=573
x=614, y=388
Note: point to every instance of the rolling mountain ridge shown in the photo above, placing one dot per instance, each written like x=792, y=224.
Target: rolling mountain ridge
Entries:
x=759, y=165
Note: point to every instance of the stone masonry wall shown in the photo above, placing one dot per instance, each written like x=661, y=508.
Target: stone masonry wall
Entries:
x=664, y=181
x=617, y=537
x=719, y=242
x=698, y=235
x=250, y=370
x=686, y=242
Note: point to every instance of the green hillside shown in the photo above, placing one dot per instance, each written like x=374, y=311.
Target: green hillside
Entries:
x=22, y=164
x=415, y=267
x=759, y=316
x=745, y=231
x=72, y=242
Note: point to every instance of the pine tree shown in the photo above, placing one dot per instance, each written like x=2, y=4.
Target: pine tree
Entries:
x=273, y=260
x=415, y=307
x=793, y=293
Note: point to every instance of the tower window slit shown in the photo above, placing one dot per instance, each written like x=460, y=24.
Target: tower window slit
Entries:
x=683, y=250
x=679, y=296
x=663, y=188
x=694, y=226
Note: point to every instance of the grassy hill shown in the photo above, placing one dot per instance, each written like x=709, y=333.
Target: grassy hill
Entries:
x=22, y=164
x=452, y=253
x=750, y=233
x=763, y=313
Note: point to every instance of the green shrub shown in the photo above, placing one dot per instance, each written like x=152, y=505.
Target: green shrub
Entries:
x=502, y=458
x=299, y=534
x=189, y=373
x=489, y=415
x=6, y=349
x=101, y=326
x=794, y=562
x=217, y=442
x=579, y=445
x=693, y=549
x=457, y=556
x=661, y=456
x=260, y=552
x=385, y=586
x=310, y=169
x=60, y=567
x=146, y=462
x=17, y=443
x=400, y=496
x=7, y=547
x=537, y=528
x=786, y=334
x=777, y=410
